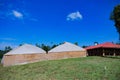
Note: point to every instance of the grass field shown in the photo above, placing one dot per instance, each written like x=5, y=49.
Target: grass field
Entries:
x=89, y=68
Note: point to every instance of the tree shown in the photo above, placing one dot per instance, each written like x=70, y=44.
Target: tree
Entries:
x=46, y=48
x=84, y=46
x=7, y=49
x=53, y=46
x=38, y=45
x=1, y=53
x=76, y=43
x=115, y=16
x=20, y=44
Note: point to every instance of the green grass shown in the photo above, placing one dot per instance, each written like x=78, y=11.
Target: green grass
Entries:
x=89, y=68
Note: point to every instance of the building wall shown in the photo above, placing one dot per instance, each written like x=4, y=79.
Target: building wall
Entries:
x=64, y=55
x=18, y=59
x=106, y=51
x=95, y=52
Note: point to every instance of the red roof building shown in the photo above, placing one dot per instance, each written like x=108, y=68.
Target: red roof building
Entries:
x=107, y=48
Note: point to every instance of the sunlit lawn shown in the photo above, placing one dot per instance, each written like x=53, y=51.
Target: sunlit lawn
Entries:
x=89, y=68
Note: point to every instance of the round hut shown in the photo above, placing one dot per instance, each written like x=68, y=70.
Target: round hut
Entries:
x=22, y=55
x=67, y=50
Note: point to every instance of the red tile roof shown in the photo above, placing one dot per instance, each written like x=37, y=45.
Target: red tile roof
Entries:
x=104, y=45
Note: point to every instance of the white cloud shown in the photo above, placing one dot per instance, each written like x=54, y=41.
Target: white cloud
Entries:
x=14, y=14
x=17, y=14
x=74, y=16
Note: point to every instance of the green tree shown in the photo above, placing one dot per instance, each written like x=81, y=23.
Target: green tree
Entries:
x=53, y=46
x=1, y=53
x=76, y=43
x=115, y=16
x=38, y=45
x=20, y=44
x=45, y=47
x=7, y=49
x=84, y=46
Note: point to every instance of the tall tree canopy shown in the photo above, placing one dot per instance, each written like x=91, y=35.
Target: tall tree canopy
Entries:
x=2, y=52
x=115, y=16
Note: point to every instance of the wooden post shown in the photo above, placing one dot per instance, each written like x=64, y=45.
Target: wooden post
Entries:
x=103, y=52
x=86, y=53
x=114, y=53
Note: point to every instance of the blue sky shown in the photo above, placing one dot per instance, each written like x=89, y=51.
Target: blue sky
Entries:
x=46, y=21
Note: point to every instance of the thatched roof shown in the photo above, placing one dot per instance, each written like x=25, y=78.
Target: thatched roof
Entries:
x=67, y=47
x=26, y=49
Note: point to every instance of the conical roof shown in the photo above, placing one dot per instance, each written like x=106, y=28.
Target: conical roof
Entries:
x=26, y=49
x=67, y=47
